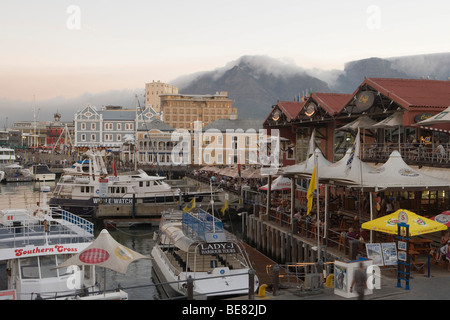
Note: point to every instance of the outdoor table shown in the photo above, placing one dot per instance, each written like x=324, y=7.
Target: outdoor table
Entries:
x=420, y=244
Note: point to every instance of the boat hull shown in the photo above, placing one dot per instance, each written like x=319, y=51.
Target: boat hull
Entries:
x=221, y=282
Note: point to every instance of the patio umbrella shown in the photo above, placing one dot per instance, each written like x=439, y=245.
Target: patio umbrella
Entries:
x=418, y=225
x=444, y=218
x=105, y=252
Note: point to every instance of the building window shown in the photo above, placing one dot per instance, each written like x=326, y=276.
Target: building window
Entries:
x=119, y=137
x=92, y=126
x=83, y=126
x=119, y=126
x=129, y=126
x=108, y=126
x=92, y=137
x=83, y=137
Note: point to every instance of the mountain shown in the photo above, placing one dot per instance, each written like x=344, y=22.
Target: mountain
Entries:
x=255, y=83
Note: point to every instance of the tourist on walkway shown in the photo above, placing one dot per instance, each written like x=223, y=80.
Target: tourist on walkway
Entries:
x=359, y=281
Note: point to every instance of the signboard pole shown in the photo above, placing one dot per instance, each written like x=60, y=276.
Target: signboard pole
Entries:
x=404, y=258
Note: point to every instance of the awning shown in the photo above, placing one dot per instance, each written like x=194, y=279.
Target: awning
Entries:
x=363, y=122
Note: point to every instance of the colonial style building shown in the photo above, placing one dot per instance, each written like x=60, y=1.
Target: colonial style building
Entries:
x=181, y=110
x=111, y=126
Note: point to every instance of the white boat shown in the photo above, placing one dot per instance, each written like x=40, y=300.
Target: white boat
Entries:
x=195, y=244
x=41, y=172
x=17, y=173
x=87, y=184
x=33, y=242
x=7, y=157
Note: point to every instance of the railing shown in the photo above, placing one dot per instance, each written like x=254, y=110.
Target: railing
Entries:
x=83, y=224
x=413, y=153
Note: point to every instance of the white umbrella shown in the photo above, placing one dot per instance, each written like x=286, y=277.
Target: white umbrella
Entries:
x=105, y=252
x=442, y=117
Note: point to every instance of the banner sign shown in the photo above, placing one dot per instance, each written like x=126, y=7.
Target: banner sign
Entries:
x=218, y=248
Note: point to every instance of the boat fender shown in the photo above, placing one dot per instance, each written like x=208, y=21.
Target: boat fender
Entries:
x=262, y=291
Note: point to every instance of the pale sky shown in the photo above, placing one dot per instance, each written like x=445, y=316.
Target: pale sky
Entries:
x=70, y=47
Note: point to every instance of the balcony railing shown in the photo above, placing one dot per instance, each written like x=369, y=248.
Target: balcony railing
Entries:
x=414, y=154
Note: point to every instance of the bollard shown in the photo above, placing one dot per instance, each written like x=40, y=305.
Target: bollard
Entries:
x=251, y=284
x=276, y=279
x=190, y=288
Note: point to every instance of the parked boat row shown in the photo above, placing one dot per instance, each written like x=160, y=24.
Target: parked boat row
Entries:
x=87, y=184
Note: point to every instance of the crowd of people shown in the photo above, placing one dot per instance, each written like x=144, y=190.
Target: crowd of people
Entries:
x=231, y=184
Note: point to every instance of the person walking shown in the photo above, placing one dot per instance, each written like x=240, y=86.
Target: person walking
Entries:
x=359, y=281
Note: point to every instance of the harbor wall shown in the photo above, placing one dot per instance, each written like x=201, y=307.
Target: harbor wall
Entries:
x=141, y=210
x=281, y=245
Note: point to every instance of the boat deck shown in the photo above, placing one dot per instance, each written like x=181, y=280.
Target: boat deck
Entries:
x=203, y=263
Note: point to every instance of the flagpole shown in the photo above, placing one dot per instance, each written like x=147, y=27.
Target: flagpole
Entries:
x=316, y=164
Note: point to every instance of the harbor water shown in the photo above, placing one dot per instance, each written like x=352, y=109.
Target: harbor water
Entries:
x=138, y=282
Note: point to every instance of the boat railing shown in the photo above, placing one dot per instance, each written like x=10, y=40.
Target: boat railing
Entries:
x=69, y=228
x=200, y=225
x=79, y=223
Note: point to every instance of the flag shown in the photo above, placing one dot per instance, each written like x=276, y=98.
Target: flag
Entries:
x=311, y=188
x=224, y=207
x=187, y=208
x=114, y=167
x=354, y=151
x=311, y=147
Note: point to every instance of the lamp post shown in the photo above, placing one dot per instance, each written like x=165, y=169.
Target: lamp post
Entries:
x=244, y=216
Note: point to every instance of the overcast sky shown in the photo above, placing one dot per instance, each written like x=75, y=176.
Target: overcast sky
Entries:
x=68, y=48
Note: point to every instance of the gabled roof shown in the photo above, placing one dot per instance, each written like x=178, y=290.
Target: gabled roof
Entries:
x=333, y=103
x=289, y=108
x=412, y=93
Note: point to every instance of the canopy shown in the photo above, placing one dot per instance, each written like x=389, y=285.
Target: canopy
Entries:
x=443, y=218
x=395, y=174
x=105, y=252
x=394, y=120
x=280, y=183
x=442, y=117
x=363, y=122
x=418, y=225
x=341, y=173
x=306, y=167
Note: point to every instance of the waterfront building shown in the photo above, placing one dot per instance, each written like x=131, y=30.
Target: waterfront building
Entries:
x=182, y=110
x=229, y=141
x=153, y=90
x=288, y=118
x=387, y=113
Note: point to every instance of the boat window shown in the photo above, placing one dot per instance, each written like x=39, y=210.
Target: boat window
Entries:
x=141, y=184
x=47, y=264
x=68, y=270
x=29, y=268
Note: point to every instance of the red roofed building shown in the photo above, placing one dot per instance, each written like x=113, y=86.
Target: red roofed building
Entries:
x=376, y=98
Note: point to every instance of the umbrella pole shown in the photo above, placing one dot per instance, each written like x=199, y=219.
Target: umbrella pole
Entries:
x=104, y=281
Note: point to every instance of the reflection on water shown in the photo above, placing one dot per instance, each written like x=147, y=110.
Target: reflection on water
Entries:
x=138, y=278
x=137, y=282
x=15, y=195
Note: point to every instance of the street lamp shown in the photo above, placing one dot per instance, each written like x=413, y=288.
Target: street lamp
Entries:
x=244, y=216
